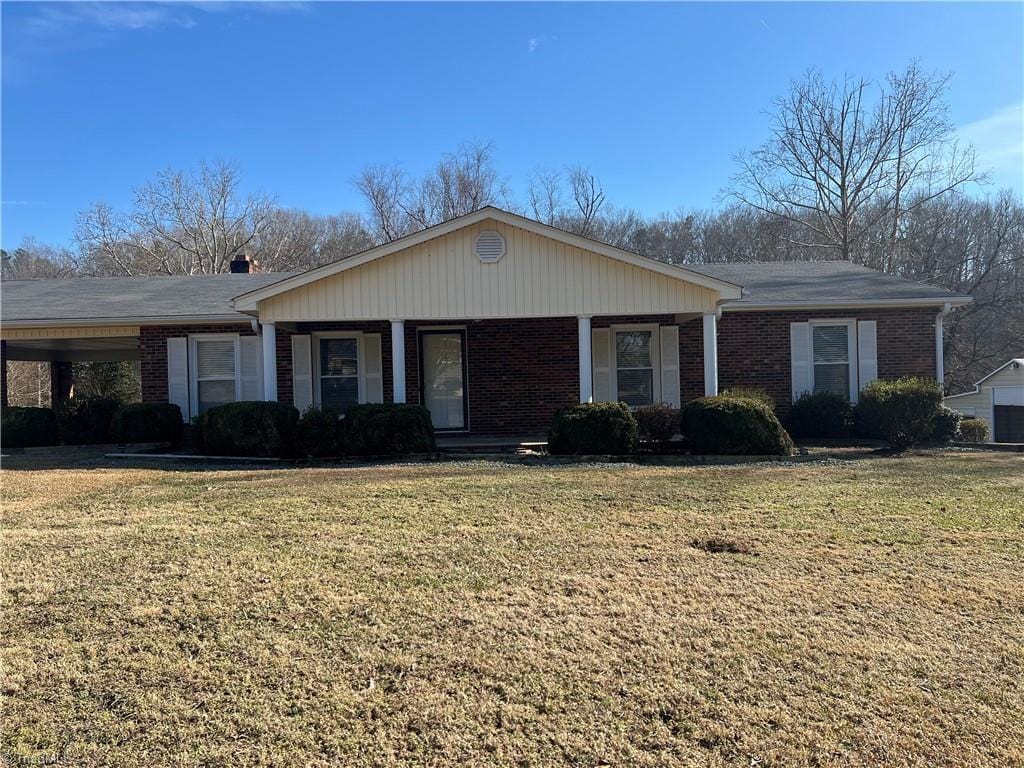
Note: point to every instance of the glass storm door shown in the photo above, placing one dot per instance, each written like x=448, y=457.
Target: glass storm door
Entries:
x=442, y=354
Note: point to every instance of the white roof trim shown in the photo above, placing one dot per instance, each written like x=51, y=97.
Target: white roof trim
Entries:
x=249, y=300
x=91, y=322
x=761, y=306
x=977, y=384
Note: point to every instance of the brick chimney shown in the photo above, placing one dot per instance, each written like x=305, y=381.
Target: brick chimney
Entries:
x=243, y=264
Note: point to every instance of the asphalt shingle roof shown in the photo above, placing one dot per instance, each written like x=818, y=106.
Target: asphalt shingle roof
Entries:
x=111, y=298
x=816, y=281
x=88, y=298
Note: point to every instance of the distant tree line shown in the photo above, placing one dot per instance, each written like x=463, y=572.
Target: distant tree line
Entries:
x=853, y=171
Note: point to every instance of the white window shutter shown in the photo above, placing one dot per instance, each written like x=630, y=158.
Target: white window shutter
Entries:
x=251, y=367
x=302, y=373
x=867, y=352
x=177, y=375
x=670, y=365
x=371, y=368
x=600, y=356
x=800, y=358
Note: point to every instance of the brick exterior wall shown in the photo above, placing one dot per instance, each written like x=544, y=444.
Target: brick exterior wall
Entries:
x=153, y=353
x=521, y=371
x=753, y=347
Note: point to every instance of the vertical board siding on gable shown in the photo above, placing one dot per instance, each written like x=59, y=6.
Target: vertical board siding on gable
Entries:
x=442, y=279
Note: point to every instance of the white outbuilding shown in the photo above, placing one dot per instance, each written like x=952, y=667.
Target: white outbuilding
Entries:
x=998, y=400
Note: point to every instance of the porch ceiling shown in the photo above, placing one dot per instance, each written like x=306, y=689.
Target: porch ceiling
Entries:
x=105, y=349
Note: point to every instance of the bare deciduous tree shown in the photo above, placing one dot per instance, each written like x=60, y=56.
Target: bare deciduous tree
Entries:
x=181, y=223
x=840, y=162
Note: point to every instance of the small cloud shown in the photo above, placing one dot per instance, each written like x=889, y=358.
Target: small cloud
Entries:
x=998, y=141
x=57, y=18
x=533, y=44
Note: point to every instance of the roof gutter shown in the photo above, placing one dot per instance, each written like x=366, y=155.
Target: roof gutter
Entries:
x=779, y=306
x=235, y=317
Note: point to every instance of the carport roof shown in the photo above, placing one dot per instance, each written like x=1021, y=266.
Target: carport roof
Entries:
x=136, y=300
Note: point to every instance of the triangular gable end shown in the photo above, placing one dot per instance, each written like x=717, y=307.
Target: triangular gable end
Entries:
x=438, y=274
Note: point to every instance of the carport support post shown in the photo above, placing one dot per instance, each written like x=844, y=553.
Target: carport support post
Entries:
x=3, y=374
x=398, y=361
x=269, y=334
x=62, y=381
x=586, y=367
x=710, y=354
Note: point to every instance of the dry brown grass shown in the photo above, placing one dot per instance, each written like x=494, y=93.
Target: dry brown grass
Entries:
x=484, y=614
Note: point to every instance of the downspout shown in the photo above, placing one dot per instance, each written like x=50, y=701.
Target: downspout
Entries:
x=940, y=363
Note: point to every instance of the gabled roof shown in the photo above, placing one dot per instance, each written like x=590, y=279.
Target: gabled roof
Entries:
x=250, y=299
x=132, y=300
x=977, y=385
x=796, y=284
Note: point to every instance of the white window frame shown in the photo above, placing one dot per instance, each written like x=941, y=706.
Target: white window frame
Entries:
x=193, y=366
x=360, y=366
x=613, y=373
x=851, y=350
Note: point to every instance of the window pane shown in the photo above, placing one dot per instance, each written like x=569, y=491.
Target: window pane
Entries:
x=215, y=359
x=832, y=377
x=339, y=394
x=636, y=387
x=213, y=393
x=633, y=349
x=338, y=357
x=830, y=343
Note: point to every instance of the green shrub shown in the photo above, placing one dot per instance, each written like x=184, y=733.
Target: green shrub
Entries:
x=821, y=414
x=382, y=429
x=973, y=431
x=750, y=393
x=27, y=427
x=248, y=428
x=734, y=425
x=147, y=423
x=657, y=423
x=320, y=433
x=946, y=426
x=594, y=428
x=86, y=420
x=901, y=412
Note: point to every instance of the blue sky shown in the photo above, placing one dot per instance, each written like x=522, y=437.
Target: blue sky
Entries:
x=655, y=98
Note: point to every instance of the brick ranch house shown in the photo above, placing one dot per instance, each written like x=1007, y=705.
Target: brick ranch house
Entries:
x=493, y=322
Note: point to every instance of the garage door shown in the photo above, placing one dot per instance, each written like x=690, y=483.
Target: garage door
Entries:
x=1009, y=425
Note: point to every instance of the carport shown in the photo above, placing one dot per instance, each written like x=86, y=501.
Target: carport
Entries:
x=61, y=346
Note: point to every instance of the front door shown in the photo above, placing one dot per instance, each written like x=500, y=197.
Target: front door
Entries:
x=443, y=377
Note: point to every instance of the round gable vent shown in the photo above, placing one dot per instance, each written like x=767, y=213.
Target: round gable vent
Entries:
x=489, y=246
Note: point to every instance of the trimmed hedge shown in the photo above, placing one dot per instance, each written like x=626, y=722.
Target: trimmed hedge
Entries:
x=28, y=427
x=750, y=393
x=973, y=431
x=86, y=420
x=320, y=433
x=247, y=428
x=380, y=429
x=147, y=423
x=821, y=414
x=594, y=428
x=734, y=426
x=902, y=411
x=657, y=423
x=946, y=426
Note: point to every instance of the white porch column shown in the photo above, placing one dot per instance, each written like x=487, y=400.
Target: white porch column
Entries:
x=269, y=335
x=940, y=363
x=710, y=354
x=586, y=367
x=398, y=360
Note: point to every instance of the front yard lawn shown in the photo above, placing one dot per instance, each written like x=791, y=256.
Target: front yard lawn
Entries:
x=857, y=613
